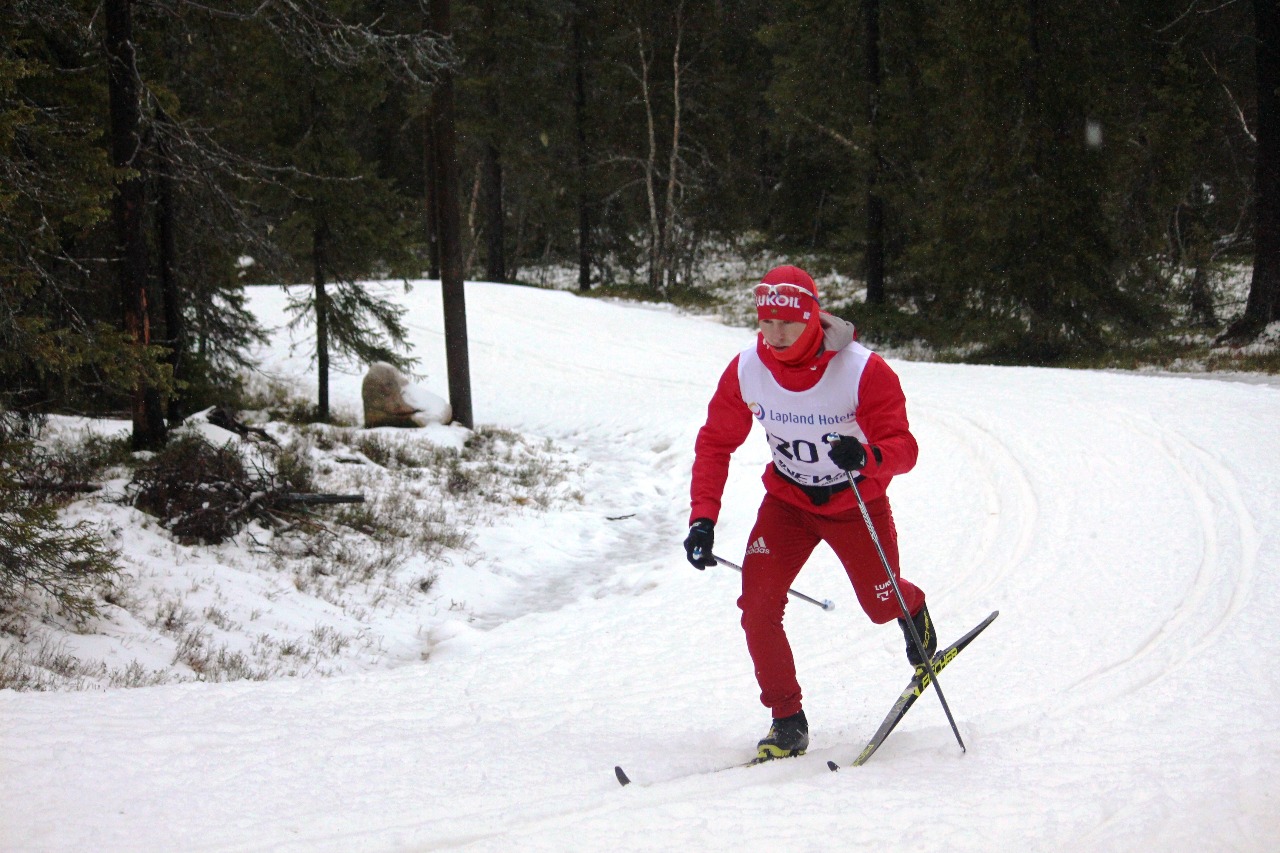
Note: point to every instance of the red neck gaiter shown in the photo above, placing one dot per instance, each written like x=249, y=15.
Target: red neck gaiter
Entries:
x=805, y=347
x=799, y=366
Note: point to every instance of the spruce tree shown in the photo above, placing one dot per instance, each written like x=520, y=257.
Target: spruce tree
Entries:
x=340, y=222
x=59, y=339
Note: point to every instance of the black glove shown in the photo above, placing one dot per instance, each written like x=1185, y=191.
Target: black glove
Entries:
x=697, y=545
x=848, y=453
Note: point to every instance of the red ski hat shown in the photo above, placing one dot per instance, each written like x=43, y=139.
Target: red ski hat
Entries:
x=786, y=293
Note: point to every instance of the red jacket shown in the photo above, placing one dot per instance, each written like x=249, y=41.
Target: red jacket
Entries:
x=881, y=413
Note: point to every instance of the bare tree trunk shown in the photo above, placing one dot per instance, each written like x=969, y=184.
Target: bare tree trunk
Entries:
x=431, y=181
x=494, y=225
x=1041, y=295
x=651, y=173
x=580, y=127
x=662, y=217
x=451, y=278
x=1191, y=249
x=170, y=296
x=494, y=215
x=130, y=257
x=1202, y=313
x=1263, y=305
x=471, y=241
x=673, y=161
x=319, y=264
x=875, y=204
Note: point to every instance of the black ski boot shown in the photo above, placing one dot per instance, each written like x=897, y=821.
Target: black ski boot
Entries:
x=787, y=736
x=924, y=627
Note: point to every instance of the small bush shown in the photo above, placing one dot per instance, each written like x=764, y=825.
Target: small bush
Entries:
x=422, y=503
x=293, y=469
x=203, y=493
x=398, y=454
x=43, y=668
x=67, y=467
x=198, y=491
x=39, y=555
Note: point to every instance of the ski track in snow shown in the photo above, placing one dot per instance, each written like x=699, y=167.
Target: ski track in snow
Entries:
x=1223, y=576
x=1123, y=525
x=1007, y=499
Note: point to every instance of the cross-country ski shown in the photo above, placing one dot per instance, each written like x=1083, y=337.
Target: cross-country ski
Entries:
x=918, y=684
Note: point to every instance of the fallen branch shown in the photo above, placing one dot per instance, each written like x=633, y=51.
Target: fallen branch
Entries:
x=316, y=499
x=76, y=488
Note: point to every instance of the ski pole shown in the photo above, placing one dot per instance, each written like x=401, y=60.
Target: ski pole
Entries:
x=902, y=602
x=826, y=603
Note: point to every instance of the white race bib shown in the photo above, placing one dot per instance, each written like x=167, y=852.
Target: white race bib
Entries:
x=797, y=422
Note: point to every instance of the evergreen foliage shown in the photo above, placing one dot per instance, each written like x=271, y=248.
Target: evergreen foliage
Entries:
x=1058, y=181
x=57, y=341
x=1055, y=177
x=42, y=557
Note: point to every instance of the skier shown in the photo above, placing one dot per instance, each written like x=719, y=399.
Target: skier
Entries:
x=805, y=379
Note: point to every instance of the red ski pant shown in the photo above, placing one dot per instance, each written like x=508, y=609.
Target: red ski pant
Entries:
x=783, y=538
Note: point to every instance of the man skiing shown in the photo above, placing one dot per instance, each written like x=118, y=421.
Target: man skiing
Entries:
x=828, y=406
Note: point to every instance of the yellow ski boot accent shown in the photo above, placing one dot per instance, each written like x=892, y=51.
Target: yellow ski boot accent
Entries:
x=787, y=737
x=769, y=752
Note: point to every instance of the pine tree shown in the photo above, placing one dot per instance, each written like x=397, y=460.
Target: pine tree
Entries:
x=58, y=337
x=298, y=168
x=342, y=222
x=129, y=258
x=1012, y=226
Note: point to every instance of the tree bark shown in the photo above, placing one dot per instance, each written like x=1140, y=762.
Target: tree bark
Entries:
x=875, y=203
x=450, y=234
x=319, y=263
x=170, y=297
x=662, y=213
x=431, y=182
x=580, y=128
x=128, y=210
x=1201, y=297
x=669, y=217
x=651, y=172
x=1263, y=304
x=494, y=218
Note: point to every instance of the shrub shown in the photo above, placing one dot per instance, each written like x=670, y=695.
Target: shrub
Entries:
x=198, y=491
x=204, y=493
x=39, y=554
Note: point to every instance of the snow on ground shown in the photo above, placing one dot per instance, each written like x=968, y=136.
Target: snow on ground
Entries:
x=1125, y=526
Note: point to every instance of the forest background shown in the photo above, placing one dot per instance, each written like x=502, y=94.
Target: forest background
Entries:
x=1075, y=183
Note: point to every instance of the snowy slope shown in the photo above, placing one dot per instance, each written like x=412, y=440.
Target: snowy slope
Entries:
x=1125, y=526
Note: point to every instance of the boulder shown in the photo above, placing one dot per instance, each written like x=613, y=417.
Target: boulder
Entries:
x=390, y=399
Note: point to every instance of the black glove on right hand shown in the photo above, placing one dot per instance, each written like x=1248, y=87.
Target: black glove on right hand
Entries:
x=697, y=545
x=848, y=453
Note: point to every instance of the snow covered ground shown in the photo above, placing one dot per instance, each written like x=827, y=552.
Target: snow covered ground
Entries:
x=1125, y=526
